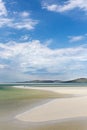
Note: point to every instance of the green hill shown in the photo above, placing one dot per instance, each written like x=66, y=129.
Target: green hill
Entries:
x=79, y=80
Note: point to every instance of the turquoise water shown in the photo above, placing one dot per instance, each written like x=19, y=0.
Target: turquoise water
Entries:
x=60, y=85
x=47, y=84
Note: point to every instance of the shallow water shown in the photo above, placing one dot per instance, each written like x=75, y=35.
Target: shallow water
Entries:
x=46, y=84
x=10, y=108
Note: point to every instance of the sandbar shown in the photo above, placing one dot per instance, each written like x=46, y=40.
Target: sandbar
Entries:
x=60, y=108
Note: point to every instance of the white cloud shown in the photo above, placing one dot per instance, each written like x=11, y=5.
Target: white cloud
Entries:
x=25, y=38
x=2, y=66
x=24, y=14
x=35, y=58
x=3, y=10
x=48, y=42
x=5, y=21
x=67, y=6
x=21, y=20
x=26, y=23
x=76, y=38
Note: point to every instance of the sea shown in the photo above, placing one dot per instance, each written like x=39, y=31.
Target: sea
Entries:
x=45, y=84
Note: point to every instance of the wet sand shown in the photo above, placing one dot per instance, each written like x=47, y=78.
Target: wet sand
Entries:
x=15, y=101
x=75, y=91
x=58, y=109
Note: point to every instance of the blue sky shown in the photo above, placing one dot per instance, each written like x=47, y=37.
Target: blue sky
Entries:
x=43, y=39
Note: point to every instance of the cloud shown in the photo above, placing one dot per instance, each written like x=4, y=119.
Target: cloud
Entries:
x=76, y=38
x=26, y=23
x=2, y=66
x=5, y=22
x=3, y=11
x=34, y=58
x=25, y=38
x=67, y=6
x=19, y=21
x=24, y=14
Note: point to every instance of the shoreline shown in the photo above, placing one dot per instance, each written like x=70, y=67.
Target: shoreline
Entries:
x=57, y=109
x=73, y=91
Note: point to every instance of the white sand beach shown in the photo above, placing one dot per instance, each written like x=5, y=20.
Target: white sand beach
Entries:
x=58, y=109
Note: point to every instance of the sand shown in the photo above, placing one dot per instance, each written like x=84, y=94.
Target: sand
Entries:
x=58, y=109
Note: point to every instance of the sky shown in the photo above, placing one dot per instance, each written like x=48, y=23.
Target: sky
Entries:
x=43, y=39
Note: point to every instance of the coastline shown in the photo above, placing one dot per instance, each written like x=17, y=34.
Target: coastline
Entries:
x=57, y=109
x=74, y=91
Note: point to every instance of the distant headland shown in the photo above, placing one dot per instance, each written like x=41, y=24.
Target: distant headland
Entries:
x=79, y=80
